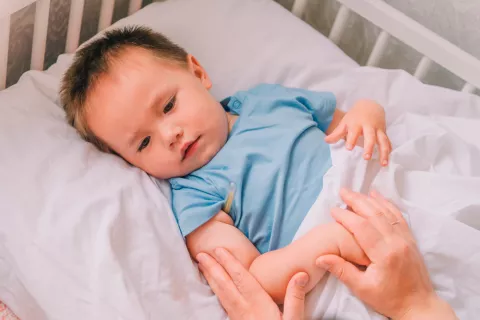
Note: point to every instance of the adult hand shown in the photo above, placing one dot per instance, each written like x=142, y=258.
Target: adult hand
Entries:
x=396, y=283
x=242, y=296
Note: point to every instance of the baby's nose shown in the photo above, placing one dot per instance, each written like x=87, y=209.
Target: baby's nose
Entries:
x=175, y=135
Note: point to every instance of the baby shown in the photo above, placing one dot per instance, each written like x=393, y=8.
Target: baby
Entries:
x=134, y=93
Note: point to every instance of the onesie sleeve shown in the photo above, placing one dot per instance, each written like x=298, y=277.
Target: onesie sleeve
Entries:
x=194, y=202
x=320, y=104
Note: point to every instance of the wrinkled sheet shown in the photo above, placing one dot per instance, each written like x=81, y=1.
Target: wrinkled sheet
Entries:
x=433, y=176
x=6, y=313
x=83, y=235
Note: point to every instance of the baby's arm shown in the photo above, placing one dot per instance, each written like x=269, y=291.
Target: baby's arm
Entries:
x=274, y=269
x=220, y=232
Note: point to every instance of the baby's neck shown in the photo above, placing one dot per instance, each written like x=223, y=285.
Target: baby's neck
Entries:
x=231, y=118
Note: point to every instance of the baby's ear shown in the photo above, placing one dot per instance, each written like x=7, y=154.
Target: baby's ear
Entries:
x=196, y=68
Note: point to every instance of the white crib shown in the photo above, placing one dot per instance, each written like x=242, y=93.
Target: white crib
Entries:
x=392, y=22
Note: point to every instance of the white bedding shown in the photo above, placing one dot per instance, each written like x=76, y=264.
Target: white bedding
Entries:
x=434, y=177
x=85, y=236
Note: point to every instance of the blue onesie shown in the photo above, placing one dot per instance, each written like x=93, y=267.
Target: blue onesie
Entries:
x=277, y=157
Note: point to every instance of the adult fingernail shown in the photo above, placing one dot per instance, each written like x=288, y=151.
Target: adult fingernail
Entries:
x=367, y=156
x=385, y=162
x=349, y=146
x=344, y=191
x=321, y=264
x=219, y=253
x=302, y=281
x=201, y=257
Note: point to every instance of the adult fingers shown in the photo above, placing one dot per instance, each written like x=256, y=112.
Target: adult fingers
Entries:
x=244, y=280
x=391, y=207
x=352, y=137
x=337, y=134
x=384, y=146
x=221, y=283
x=381, y=209
x=370, y=140
x=342, y=270
x=294, y=306
x=400, y=224
x=361, y=206
x=366, y=235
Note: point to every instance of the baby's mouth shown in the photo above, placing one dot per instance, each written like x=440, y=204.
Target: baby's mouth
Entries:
x=189, y=148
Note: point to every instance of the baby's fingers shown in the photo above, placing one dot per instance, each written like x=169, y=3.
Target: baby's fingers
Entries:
x=384, y=146
x=337, y=134
x=370, y=139
x=352, y=136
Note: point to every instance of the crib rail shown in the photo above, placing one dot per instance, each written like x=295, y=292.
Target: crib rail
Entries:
x=4, y=40
x=40, y=34
x=394, y=23
x=42, y=9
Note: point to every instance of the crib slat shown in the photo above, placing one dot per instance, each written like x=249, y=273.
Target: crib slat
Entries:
x=423, y=67
x=299, y=7
x=134, y=6
x=74, y=25
x=4, y=37
x=106, y=14
x=379, y=49
x=417, y=36
x=468, y=88
x=339, y=25
x=40, y=34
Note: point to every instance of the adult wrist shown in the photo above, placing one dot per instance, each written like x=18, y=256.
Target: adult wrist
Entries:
x=432, y=308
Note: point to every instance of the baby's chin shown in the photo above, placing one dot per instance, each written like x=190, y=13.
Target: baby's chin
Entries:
x=179, y=172
x=195, y=164
x=187, y=167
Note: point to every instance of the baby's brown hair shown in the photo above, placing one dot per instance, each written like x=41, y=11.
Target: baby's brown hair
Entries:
x=95, y=59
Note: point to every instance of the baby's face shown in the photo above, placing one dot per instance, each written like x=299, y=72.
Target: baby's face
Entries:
x=157, y=115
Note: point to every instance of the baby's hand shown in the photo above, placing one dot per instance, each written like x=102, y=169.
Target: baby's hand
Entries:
x=366, y=118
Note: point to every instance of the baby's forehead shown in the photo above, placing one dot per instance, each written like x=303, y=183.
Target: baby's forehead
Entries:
x=134, y=71
x=128, y=65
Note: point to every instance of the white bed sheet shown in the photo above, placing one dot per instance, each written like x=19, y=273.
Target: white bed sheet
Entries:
x=83, y=235
x=434, y=177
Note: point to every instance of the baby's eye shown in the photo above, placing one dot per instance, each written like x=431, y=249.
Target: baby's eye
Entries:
x=144, y=144
x=170, y=105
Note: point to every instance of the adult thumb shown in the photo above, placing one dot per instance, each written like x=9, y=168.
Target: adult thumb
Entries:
x=294, y=305
x=341, y=269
